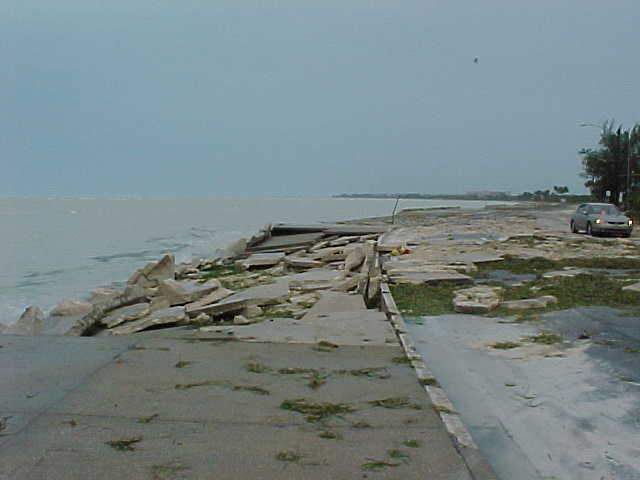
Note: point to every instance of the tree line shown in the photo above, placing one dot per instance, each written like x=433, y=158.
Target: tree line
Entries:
x=611, y=169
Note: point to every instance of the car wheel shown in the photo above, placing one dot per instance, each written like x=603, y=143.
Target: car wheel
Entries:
x=573, y=228
x=626, y=235
x=589, y=230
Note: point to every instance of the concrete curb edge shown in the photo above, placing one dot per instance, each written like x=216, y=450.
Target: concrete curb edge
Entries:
x=478, y=467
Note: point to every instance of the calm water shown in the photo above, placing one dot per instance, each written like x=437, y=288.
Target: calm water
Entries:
x=62, y=248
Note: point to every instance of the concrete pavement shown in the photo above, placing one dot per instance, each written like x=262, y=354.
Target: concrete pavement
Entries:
x=192, y=404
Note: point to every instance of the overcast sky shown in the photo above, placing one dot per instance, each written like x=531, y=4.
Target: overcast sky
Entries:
x=241, y=97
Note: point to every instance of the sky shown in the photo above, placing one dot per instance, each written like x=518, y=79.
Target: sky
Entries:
x=248, y=97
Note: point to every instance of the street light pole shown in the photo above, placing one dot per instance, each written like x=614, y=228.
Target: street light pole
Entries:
x=626, y=197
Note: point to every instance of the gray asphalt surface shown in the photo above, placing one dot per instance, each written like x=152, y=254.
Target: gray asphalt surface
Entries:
x=567, y=411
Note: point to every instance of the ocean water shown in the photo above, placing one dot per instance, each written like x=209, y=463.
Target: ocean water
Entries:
x=57, y=248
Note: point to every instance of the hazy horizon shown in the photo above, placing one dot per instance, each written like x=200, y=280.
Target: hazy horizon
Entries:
x=278, y=98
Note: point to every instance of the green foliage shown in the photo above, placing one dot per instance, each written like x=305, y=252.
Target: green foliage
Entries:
x=606, y=167
x=540, y=265
x=316, y=412
x=505, y=345
x=416, y=300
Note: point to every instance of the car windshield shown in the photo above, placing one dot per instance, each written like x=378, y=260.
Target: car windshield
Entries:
x=605, y=210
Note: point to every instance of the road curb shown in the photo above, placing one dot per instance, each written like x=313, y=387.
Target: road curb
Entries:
x=478, y=467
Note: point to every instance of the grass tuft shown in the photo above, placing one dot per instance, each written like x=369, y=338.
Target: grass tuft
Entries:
x=395, y=402
x=149, y=419
x=401, y=359
x=316, y=412
x=371, y=372
x=396, y=453
x=377, y=465
x=257, y=367
x=441, y=409
x=430, y=381
x=361, y=425
x=287, y=456
x=544, y=338
x=316, y=380
x=505, y=345
x=251, y=388
x=423, y=299
x=325, y=346
x=412, y=443
x=295, y=370
x=330, y=435
x=218, y=271
x=124, y=445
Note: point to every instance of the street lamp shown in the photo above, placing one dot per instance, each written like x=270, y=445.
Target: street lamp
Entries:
x=628, y=189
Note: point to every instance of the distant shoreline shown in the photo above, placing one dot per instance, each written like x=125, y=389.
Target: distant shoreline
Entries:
x=541, y=196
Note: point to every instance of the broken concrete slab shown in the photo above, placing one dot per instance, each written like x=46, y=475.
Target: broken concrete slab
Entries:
x=354, y=259
x=347, y=284
x=331, y=254
x=272, y=294
x=67, y=308
x=102, y=293
x=302, y=262
x=313, y=274
x=133, y=294
x=213, y=297
x=337, y=302
x=261, y=260
x=153, y=273
x=569, y=273
x=168, y=316
x=477, y=300
x=528, y=303
x=126, y=314
x=365, y=327
x=31, y=322
x=286, y=242
x=310, y=285
x=252, y=311
x=632, y=288
x=182, y=292
x=343, y=241
x=304, y=299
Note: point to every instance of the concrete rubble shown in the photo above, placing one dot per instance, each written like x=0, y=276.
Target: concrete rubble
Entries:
x=477, y=300
x=527, y=303
x=245, y=288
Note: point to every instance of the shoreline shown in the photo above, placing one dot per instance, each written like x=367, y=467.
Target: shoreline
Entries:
x=450, y=257
x=60, y=249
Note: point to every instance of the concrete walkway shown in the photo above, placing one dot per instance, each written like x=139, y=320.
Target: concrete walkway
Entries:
x=187, y=404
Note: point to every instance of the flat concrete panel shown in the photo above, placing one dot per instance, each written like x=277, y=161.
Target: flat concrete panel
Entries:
x=36, y=372
x=367, y=327
x=229, y=451
x=337, y=302
x=224, y=428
